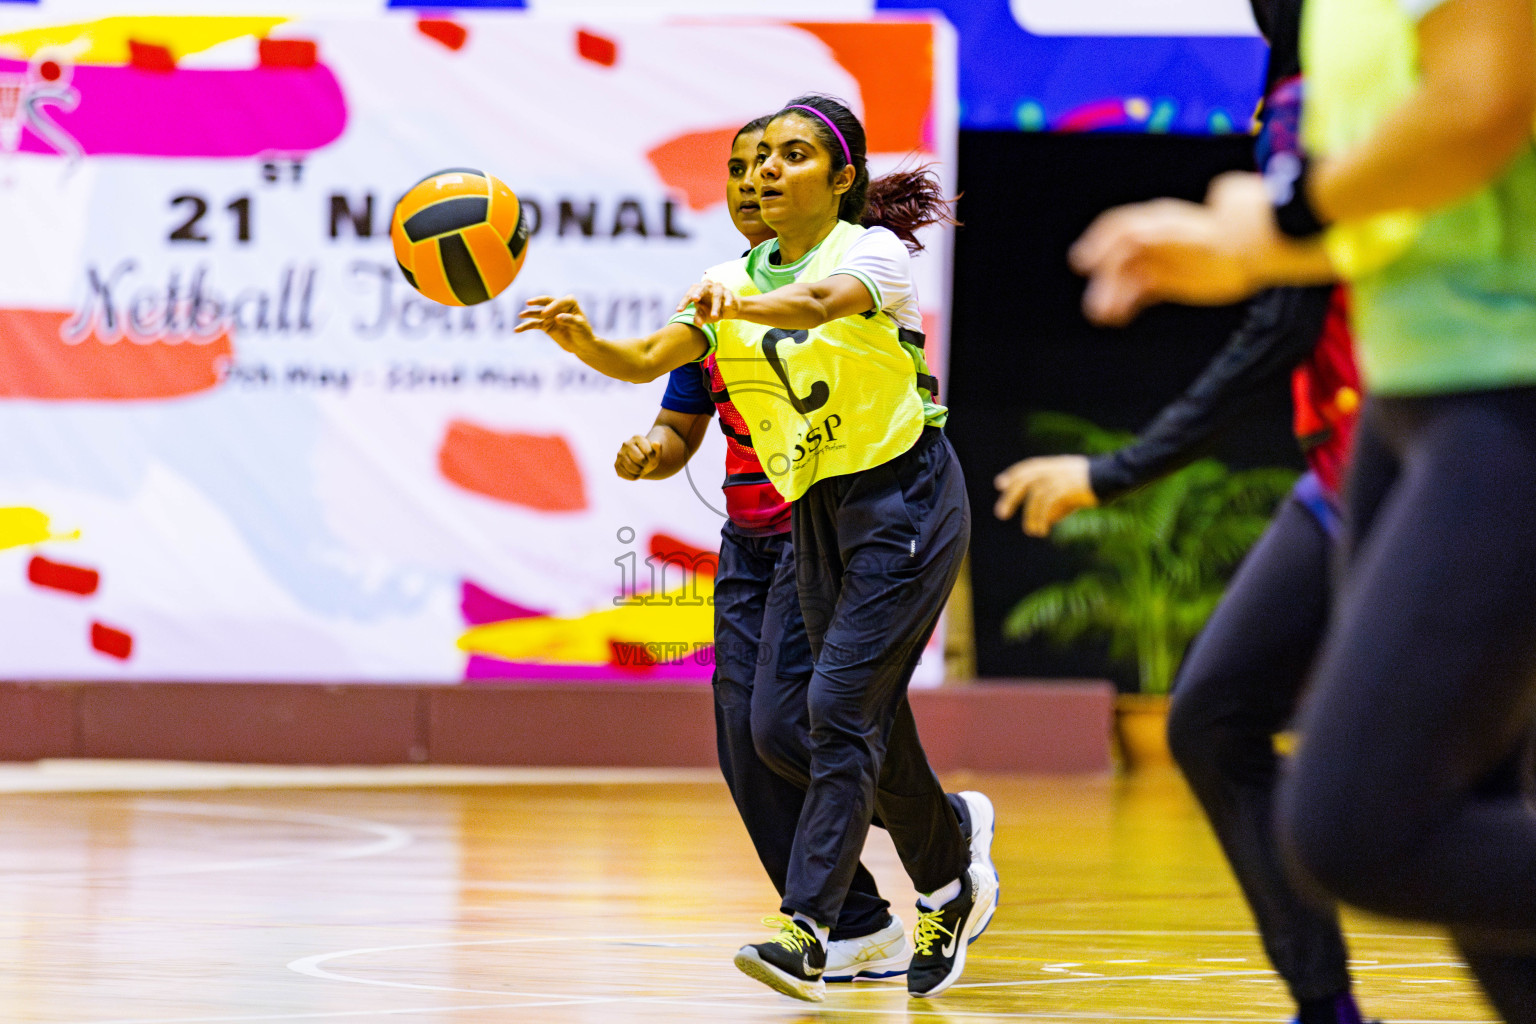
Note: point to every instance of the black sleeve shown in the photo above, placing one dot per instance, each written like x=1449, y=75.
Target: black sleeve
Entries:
x=1279, y=330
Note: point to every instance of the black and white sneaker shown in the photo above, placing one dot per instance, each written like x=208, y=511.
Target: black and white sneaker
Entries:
x=941, y=936
x=791, y=962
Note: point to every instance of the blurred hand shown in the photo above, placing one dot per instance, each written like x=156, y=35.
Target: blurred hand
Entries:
x=637, y=457
x=561, y=319
x=712, y=302
x=1169, y=250
x=1050, y=489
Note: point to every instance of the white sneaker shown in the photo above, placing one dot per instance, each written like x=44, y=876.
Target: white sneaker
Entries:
x=983, y=825
x=881, y=954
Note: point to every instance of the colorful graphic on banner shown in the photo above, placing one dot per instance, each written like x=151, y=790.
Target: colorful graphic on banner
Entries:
x=244, y=448
x=1126, y=77
x=1191, y=67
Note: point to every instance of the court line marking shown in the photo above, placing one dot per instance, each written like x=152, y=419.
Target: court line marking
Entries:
x=341, y=1014
x=909, y=1012
x=310, y=966
x=388, y=838
x=1159, y=932
x=1075, y=1015
x=905, y=1009
x=1182, y=976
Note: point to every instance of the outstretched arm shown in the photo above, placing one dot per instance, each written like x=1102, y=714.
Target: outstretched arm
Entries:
x=665, y=449
x=799, y=306
x=638, y=360
x=1280, y=328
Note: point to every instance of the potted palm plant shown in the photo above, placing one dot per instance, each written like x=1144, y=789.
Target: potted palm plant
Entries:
x=1158, y=561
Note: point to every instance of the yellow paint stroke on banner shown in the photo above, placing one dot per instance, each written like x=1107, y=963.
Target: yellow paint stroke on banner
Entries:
x=22, y=526
x=106, y=41
x=585, y=639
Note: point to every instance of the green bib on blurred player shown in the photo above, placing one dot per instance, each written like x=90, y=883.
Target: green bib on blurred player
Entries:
x=1444, y=301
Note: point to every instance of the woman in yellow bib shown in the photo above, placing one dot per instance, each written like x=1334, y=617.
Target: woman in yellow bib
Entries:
x=817, y=335
x=1421, y=190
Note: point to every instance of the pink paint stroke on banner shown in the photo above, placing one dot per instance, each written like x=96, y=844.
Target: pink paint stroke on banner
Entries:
x=197, y=112
x=479, y=606
x=482, y=668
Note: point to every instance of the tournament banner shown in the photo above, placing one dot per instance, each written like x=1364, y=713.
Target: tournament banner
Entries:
x=239, y=446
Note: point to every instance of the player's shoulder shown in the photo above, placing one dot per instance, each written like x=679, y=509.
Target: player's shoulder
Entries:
x=729, y=270
x=878, y=240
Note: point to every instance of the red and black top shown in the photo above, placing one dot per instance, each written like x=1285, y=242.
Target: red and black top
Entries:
x=755, y=507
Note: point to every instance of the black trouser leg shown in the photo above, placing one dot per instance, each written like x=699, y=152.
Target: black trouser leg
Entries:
x=762, y=661
x=1238, y=686
x=877, y=553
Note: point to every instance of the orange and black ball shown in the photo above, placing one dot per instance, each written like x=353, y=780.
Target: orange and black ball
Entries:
x=460, y=236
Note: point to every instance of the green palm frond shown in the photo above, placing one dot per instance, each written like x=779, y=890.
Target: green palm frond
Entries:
x=1160, y=557
x=1062, y=611
x=1100, y=524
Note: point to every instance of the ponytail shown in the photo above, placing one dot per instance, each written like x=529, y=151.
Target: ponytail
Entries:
x=904, y=201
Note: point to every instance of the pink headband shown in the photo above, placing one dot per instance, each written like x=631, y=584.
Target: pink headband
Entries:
x=847, y=157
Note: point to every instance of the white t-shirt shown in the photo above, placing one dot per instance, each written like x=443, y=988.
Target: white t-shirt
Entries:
x=880, y=260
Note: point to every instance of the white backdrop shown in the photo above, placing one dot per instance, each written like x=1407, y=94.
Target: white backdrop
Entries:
x=239, y=447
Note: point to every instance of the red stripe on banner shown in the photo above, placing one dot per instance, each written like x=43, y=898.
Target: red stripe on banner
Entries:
x=74, y=579
x=523, y=469
x=450, y=33
x=35, y=362
x=113, y=642
x=672, y=551
x=597, y=49
x=287, y=53
x=150, y=57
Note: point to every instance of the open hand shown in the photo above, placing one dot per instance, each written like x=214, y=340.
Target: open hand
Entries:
x=712, y=302
x=561, y=319
x=1169, y=250
x=1050, y=489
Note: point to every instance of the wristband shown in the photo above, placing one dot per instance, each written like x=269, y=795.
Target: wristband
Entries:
x=1286, y=178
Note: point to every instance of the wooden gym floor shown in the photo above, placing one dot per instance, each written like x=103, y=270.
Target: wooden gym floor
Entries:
x=191, y=895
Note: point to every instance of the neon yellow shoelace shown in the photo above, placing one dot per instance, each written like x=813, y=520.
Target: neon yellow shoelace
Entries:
x=928, y=931
x=791, y=935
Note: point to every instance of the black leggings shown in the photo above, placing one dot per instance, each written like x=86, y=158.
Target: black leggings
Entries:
x=1426, y=684
x=1238, y=686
